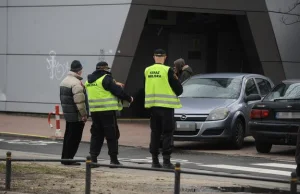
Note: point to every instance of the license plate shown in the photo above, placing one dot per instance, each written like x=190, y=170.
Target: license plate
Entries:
x=288, y=115
x=181, y=126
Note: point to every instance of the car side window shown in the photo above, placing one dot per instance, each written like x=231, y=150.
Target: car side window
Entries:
x=264, y=86
x=250, y=87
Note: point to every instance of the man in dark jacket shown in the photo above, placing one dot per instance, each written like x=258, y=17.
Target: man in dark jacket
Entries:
x=104, y=94
x=183, y=71
x=73, y=102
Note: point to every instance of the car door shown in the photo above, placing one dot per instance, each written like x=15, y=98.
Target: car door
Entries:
x=250, y=88
x=264, y=86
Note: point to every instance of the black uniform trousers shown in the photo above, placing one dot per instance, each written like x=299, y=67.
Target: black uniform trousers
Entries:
x=104, y=125
x=162, y=124
x=72, y=138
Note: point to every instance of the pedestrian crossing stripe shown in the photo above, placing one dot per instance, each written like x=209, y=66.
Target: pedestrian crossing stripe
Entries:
x=249, y=169
x=277, y=165
x=261, y=168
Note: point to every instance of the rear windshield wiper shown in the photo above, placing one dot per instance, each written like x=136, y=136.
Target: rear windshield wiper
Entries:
x=277, y=99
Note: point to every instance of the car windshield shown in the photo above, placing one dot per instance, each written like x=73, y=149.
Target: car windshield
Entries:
x=284, y=92
x=228, y=88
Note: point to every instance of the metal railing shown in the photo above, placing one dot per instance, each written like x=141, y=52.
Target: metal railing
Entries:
x=177, y=172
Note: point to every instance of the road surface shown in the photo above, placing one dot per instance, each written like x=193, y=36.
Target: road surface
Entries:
x=190, y=160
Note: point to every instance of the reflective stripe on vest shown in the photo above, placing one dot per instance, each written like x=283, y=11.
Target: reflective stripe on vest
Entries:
x=158, y=90
x=100, y=99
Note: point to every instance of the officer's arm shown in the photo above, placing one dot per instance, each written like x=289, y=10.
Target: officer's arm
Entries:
x=79, y=99
x=109, y=85
x=175, y=83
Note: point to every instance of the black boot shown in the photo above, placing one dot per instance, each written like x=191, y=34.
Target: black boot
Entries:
x=94, y=160
x=155, y=162
x=167, y=163
x=114, y=161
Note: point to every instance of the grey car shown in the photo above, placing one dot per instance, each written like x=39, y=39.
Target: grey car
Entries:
x=217, y=107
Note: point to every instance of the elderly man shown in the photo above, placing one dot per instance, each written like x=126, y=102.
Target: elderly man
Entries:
x=73, y=102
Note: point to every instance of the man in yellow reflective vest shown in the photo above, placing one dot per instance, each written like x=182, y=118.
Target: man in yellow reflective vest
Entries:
x=104, y=95
x=162, y=89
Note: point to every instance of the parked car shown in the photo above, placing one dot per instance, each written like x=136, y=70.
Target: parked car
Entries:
x=217, y=106
x=275, y=120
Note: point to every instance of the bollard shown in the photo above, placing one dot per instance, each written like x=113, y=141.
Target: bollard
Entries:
x=294, y=180
x=88, y=175
x=177, y=178
x=8, y=171
x=57, y=118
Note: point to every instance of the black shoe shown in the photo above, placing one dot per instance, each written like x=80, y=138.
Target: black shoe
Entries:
x=168, y=166
x=155, y=162
x=114, y=161
x=71, y=163
x=167, y=163
x=156, y=165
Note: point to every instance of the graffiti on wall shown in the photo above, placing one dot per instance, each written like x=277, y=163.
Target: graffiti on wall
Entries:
x=56, y=69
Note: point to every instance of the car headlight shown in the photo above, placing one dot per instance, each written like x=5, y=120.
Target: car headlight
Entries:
x=218, y=114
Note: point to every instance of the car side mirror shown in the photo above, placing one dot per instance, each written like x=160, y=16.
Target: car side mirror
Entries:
x=252, y=97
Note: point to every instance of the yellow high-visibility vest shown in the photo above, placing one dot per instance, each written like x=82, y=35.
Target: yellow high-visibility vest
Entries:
x=100, y=99
x=158, y=92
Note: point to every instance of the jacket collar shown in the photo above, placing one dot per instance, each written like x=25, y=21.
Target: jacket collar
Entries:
x=73, y=74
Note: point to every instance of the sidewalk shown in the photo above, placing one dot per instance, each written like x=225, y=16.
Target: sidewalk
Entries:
x=135, y=134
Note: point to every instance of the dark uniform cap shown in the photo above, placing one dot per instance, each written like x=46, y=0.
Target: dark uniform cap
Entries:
x=159, y=52
x=76, y=66
x=102, y=65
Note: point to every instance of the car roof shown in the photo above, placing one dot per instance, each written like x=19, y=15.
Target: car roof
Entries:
x=291, y=81
x=226, y=75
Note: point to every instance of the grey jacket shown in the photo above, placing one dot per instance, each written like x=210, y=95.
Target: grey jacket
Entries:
x=186, y=73
x=73, y=98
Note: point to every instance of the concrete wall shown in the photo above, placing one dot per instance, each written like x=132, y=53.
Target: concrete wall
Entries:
x=41, y=40
x=3, y=51
x=287, y=34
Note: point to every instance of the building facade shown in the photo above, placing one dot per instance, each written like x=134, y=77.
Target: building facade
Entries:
x=39, y=40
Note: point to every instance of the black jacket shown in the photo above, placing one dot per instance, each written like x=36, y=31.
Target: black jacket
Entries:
x=174, y=83
x=109, y=84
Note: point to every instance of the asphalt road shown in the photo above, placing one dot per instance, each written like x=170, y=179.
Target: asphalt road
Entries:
x=189, y=159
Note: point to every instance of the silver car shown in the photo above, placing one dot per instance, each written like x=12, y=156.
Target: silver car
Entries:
x=217, y=107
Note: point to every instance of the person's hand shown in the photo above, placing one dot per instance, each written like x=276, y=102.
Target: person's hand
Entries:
x=175, y=76
x=120, y=84
x=131, y=99
x=175, y=70
x=84, y=119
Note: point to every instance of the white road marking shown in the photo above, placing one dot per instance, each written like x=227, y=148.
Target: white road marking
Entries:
x=29, y=142
x=249, y=169
x=277, y=165
x=149, y=160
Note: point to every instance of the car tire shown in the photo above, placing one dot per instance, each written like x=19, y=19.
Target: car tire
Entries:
x=238, y=134
x=262, y=147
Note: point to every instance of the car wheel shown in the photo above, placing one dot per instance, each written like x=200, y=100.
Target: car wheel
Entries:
x=263, y=147
x=238, y=134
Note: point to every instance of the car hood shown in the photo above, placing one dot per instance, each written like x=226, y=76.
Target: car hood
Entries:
x=202, y=105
